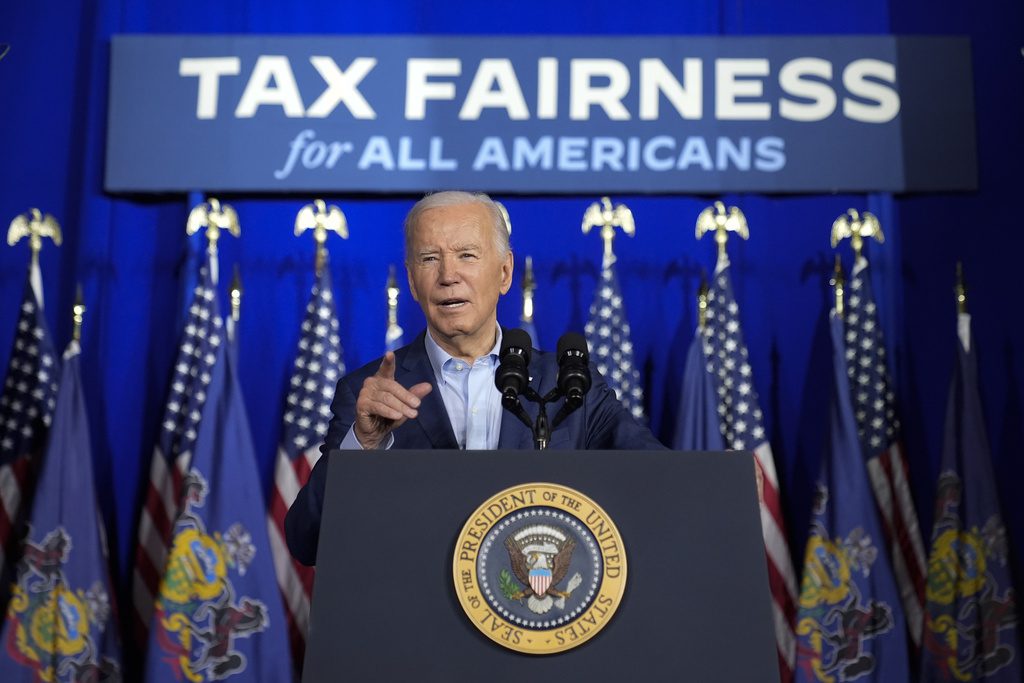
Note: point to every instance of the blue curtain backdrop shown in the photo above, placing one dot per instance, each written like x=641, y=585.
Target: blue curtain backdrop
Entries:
x=129, y=253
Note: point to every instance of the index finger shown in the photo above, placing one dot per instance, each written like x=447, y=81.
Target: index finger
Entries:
x=387, y=366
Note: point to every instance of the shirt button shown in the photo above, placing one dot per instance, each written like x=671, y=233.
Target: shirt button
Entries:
x=458, y=366
x=474, y=411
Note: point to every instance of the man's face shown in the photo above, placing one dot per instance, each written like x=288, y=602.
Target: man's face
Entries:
x=457, y=275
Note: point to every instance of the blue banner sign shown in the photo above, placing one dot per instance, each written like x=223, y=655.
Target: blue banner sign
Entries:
x=540, y=114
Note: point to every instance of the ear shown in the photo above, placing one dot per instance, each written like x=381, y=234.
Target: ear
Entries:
x=506, y=272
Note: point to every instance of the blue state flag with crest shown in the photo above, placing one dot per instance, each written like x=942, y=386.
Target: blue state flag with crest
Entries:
x=971, y=631
x=849, y=622
x=697, y=426
x=218, y=611
x=60, y=623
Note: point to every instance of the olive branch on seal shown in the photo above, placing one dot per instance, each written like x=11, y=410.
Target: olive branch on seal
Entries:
x=507, y=584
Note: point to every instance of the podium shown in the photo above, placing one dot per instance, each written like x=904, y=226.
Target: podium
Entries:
x=696, y=605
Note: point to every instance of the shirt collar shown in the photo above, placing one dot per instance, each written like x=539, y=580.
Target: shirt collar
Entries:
x=438, y=356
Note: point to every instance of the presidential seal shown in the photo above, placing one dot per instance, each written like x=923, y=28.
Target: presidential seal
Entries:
x=539, y=568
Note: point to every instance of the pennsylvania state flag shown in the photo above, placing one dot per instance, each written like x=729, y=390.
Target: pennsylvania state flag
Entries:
x=60, y=625
x=849, y=624
x=218, y=610
x=697, y=423
x=970, y=631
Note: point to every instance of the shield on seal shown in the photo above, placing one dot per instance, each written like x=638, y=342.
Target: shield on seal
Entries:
x=540, y=581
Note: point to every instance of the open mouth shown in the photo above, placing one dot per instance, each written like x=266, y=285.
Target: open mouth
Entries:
x=452, y=304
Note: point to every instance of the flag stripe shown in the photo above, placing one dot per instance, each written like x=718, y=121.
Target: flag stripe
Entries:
x=317, y=368
x=895, y=530
x=873, y=405
x=742, y=428
x=910, y=538
x=172, y=454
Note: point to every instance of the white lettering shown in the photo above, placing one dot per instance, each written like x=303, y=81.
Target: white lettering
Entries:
x=793, y=82
x=418, y=89
x=508, y=95
x=406, y=161
x=886, y=101
x=491, y=152
x=540, y=155
x=547, y=88
x=572, y=154
x=259, y=91
x=605, y=151
x=585, y=94
x=377, y=151
x=695, y=151
x=771, y=154
x=656, y=80
x=651, y=160
x=342, y=86
x=727, y=152
x=209, y=70
x=437, y=160
x=737, y=78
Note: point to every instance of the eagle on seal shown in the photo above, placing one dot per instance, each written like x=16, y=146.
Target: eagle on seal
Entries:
x=540, y=557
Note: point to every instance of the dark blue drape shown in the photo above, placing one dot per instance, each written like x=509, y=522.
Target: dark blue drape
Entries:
x=128, y=253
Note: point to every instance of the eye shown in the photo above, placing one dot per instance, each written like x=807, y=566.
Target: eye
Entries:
x=428, y=258
x=468, y=255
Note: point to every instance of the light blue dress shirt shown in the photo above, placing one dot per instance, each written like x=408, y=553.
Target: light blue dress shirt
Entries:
x=470, y=398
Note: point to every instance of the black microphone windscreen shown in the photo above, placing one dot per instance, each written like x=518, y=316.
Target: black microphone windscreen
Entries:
x=515, y=338
x=572, y=341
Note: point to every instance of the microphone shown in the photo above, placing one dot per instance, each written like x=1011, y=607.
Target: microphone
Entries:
x=512, y=377
x=573, y=372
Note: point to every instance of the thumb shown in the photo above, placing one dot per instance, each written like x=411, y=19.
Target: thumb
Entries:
x=387, y=366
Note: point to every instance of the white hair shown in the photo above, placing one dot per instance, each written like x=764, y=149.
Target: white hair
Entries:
x=437, y=200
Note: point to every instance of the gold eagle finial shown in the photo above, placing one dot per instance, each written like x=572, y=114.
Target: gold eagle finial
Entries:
x=35, y=225
x=608, y=217
x=857, y=227
x=723, y=221
x=215, y=217
x=321, y=218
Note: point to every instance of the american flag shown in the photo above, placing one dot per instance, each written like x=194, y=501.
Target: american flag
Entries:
x=203, y=333
x=878, y=429
x=318, y=367
x=742, y=426
x=26, y=406
x=607, y=335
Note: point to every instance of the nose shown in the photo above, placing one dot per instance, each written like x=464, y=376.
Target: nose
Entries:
x=448, y=273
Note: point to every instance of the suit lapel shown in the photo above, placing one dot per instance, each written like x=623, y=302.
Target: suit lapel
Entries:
x=433, y=418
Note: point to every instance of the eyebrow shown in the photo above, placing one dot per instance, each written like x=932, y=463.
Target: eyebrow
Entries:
x=469, y=246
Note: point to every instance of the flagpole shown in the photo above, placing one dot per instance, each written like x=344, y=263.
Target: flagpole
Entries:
x=960, y=289
x=838, y=283
x=702, y=303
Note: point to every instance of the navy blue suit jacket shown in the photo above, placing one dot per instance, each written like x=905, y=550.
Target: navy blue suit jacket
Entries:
x=600, y=423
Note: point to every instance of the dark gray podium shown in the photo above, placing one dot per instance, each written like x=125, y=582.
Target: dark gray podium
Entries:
x=696, y=606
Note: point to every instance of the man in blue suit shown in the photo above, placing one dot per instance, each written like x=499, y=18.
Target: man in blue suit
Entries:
x=439, y=392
